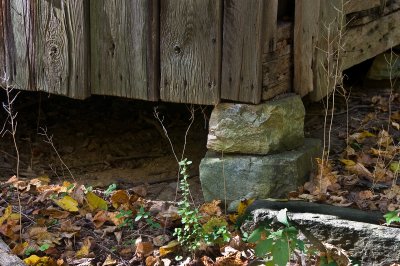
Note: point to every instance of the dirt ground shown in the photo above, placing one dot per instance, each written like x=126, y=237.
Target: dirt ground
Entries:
x=106, y=140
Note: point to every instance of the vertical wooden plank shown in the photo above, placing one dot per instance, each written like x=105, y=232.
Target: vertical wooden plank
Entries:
x=2, y=42
x=124, y=48
x=326, y=46
x=190, y=50
x=19, y=47
x=306, y=30
x=270, y=25
x=61, y=47
x=242, y=50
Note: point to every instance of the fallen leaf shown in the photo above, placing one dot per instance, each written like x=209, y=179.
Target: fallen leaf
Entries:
x=95, y=202
x=109, y=261
x=384, y=139
x=232, y=259
x=243, y=204
x=67, y=203
x=100, y=218
x=394, y=167
x=360, y=136
x=35, y=260
x=169, y=248
x=119, y=197
x=211, y=208
x=360, y=170
x=144, y=249
x=160, y=240
x=85, y=248
x=348, y=162
x=54, y=213
x=151, y=261
x=140, y=190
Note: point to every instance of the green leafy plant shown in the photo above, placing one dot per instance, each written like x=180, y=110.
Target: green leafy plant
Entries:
x=216, y=231
x=44, y=247
x=276, y=243
x=128, y=221
x=392, y=217
x=190, y=235
x=111, y=188
x=143, y=214
x=29, y=251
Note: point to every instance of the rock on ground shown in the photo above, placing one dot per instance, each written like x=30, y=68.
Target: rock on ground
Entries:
x=270, y=127
x=233, y=177
x=367, y=243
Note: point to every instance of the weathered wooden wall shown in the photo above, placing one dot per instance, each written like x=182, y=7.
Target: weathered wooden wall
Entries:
x=190, y=51
x=370, y=27
x=45, y=46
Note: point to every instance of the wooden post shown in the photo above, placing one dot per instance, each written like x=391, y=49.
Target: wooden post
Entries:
x=124, y=48
x=306, y=29
x=190, y=51
x=243, y=47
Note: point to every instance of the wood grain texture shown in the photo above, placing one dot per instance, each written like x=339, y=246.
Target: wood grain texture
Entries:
x=377, y=37
x=119, y=47
x=277, y=66
x=352, y=6
x=20, y=44
x=326, y=47
x=306, y=29
x=190, y=50
x=242, y=50
x=61, y=48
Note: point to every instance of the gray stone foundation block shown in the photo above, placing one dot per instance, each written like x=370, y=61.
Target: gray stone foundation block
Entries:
x=265, y=128
x=256, y=176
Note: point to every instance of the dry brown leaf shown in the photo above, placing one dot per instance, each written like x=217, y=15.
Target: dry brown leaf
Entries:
x=384, y=139
x=360, y=170
x=211, y=208
x=144, y=249
x=232, y=259
x=54, y=213
x=151, y=261
x=109, y=261
x=68, y=226
x=140, y=190
x=100, y=218
x=119, y=197
x=207, y=261
x=365, y=195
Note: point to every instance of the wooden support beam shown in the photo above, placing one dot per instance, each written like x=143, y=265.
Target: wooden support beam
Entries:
x=306, y=30
x=190, y=51
x=352, y=6
x=377, y=37
x=124, y=48
x=243, y=47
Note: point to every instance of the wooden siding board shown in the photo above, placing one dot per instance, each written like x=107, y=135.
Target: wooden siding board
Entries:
x=120, y=32
x=242, y=50
x=61, y=48
x=377, y=37
x=305, y=37
x=190, y=51
x=19, y=45
x=360, y=5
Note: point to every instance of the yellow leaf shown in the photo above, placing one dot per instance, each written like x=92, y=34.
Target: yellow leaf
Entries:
x=84, y=250
x=67, y=203
x=34, y=260
x=95, y=202
x=348, y=162
x=394, y=167
x=169, y=248
x=7, y=213
x=241, y=209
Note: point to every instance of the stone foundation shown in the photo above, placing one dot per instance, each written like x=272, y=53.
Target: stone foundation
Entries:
x=257, y=151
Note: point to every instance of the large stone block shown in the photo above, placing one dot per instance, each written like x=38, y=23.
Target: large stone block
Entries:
x=270, y=127
x=256, y=176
